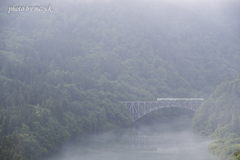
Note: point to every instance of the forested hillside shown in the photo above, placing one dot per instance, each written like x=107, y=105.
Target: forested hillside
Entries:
x=219, y=117
x=65, y=73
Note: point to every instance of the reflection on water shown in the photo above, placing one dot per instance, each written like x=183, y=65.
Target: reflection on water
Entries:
x=140, y=141
x=175, y=140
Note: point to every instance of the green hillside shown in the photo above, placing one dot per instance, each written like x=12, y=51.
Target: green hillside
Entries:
x=219, y=117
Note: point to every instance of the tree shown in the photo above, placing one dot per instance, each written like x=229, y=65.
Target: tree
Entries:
x=12, y=148
x=237, y=155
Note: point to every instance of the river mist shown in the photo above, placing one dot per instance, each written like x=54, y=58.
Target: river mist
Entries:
x=159, y=141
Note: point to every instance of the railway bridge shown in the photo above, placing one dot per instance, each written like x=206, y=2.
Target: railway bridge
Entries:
x=140, y=108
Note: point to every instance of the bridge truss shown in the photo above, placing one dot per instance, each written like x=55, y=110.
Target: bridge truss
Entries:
x=140, y=108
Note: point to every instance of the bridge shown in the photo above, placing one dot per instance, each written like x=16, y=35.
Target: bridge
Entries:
x=140, y=108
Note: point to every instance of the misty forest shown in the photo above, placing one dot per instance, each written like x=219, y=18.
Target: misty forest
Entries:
x=66, y=71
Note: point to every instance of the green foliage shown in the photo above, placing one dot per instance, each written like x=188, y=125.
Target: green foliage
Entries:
x=225, y=147
x=237, y=155
x=12, y=148
x=219, y=118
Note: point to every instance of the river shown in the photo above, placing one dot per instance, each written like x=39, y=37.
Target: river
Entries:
x=160, y=141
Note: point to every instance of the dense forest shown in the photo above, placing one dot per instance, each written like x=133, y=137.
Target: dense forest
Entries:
x=219, y=117
x=65, y=73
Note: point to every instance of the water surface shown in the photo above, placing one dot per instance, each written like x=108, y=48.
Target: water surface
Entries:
x=159, y=141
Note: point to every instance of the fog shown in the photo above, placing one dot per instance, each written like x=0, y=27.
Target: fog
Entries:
x=67, y=66
x=165, y=141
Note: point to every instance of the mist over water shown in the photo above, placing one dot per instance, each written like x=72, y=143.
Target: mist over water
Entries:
x=165, y=141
